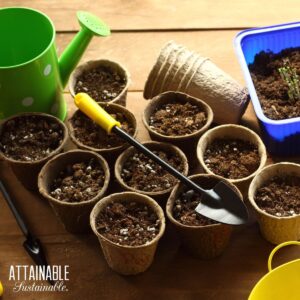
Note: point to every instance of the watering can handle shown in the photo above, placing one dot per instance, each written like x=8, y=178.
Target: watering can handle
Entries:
x=277, y=248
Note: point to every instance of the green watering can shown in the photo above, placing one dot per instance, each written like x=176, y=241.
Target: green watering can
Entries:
x=32, y=78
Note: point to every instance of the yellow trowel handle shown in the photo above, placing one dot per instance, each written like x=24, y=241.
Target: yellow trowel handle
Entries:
x=277, y=248
x=94, y=111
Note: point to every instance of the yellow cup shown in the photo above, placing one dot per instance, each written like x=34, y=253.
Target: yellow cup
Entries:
x=281, y=283
x=1, y=289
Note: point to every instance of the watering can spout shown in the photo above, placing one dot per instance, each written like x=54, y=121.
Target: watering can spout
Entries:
x=90, y=26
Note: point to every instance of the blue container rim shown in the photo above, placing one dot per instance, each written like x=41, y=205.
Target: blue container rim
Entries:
x=237, y=45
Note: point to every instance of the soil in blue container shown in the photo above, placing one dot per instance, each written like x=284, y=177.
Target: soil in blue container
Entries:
x=276, y=80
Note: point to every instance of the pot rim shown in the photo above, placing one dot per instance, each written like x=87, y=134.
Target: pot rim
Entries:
x=101, y=192
x=102, y=150
x=261, y=150
x=170, y=202
x=51, y=154
x=253, y=189
x=148, y=143
x=156, y=101
x=90, y=64
x=151, y=202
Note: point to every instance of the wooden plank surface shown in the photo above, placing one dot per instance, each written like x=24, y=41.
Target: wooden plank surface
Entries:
x=165, y=14
x=174, y=274
x=138, y=51
x=141, y=29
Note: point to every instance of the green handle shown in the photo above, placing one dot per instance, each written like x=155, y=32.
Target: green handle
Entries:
x=73, y=53
x=90, y=26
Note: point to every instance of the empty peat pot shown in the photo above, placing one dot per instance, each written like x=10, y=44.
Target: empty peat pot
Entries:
x=103, y=80
x=123, y=258
x=179, y=119
x=276, y=228
x=87, y=135
x=233, y=133
x=137, y=173
x=28, y=141
x=182, y=70
x=73, y=213
x=202, y=237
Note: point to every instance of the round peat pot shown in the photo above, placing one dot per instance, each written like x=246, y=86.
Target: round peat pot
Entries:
x=186, y=142
x=111, y=153
x=205, y=242
x=74, y=215
x=162, y=195
x=281, y=282
x=94, y=64
x=128, y=260
x=275, y=229
x=27, y=170
x=238, y=132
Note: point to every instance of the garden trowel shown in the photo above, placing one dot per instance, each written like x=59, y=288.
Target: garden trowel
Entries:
x=221, y=203
x=32, y=245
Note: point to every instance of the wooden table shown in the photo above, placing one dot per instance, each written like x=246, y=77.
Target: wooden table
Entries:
x=139, y=30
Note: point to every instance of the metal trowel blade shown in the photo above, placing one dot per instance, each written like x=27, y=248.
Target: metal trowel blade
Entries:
x=230, y=210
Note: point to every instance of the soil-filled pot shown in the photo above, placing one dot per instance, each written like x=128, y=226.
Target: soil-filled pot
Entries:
x=128, y=249
x=274, y=195
x=73, y=182
x=28, y=141
x=179, y=119
x=202, y=237
x=136, y=172
x=269, y=58
x=87, y=135
x=233, y=152
x=103, y=80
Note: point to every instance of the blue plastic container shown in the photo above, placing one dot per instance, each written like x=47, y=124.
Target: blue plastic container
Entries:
x=282, y=137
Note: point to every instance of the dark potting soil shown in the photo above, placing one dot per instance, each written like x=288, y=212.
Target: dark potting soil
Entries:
x=280, y=196
x=101, y=83
x=90, y=134
x=184, y=210
x=128, y=223
x=177, y=119
x=143, y=174
x=233, y=159
x=30, y=138
x=79, y=182
x=272, y=90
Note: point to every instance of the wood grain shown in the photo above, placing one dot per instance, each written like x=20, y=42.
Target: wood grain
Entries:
x=138, y=51
x=141, y=28
x=164, y=14
x=174, y=274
